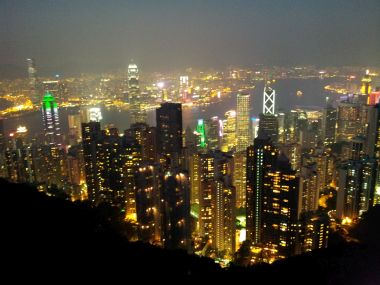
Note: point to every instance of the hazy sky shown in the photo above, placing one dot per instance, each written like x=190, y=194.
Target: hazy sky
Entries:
x=84, y=35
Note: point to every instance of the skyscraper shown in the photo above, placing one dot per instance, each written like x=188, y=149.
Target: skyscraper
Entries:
x=260, y=159
x=32, y=81
x=183, y=88
x=175, y=203
x=366, y=84
x=201, y=135
x=169, y=132
x=50, y=119
x=356, y=187
x=224, y=217
x=137, y=111
x=148, y=186
x=213, y=133
x=268, y=126
x=329, y=126
x=242, y=122
x=279, y=212
x=269, y=100
x=75, y=132
x=229, y=131
x=91, y=135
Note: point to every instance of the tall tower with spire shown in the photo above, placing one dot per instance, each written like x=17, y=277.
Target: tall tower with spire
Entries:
x=137, y=112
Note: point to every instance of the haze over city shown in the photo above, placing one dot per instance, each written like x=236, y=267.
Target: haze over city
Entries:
x=69, y=37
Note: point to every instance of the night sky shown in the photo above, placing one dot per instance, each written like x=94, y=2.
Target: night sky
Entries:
x=70, y=36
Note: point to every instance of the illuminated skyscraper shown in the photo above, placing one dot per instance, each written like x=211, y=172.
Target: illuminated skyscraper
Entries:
x=32, y=80
x=75, y=132
x=260, y=159
x=224, y=217
x=269, y=100
x=195, y=177
x=348, y=121
x=213, y=133
x=137, y=111
x=91, y=135
x=366, y=84
x=105, y=160
x=201, y=134
x=279, y=212
x=309, y=191
x=356, y=187
x=183, y=88
x=146, y=137
x=239, y=178
x=268, y=126
x=148, y=186
x=229, y=131
x=51, y=120
x=131, y=167
x=329, y=126
x=175, y=211
x=169, y=132
x=242, y=122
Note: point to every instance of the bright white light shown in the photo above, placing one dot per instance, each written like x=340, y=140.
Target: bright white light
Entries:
x=95, y=114
x=160, y=84
x=21, y=129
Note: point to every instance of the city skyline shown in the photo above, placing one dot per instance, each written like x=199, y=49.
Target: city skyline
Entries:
x=177, y=34
x=224, y=170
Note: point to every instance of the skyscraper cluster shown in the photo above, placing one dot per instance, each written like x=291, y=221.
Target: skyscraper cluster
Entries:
x=276, y=181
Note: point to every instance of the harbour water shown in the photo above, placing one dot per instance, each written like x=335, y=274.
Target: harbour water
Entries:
x=313, y=95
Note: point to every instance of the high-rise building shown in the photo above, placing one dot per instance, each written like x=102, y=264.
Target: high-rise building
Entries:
x=137, y=111
x=239, y=178
x=242, y=122
x=146, y=137
x=91, y=136
x=314, y=231
x=229, y=131
x=148, y=186
x=329, y=126
x=348, y=121
x=309, y=191
x=105, y=160
x=356, y=187
x=224, y=217
x=260, y=158
x=131, y=166
x=169, y=132
x=50, y=119
x=207, y=172
x=195, y=177
x=33, y=81
x=183, y=88
x=213, y=133
x=366, y=84
x=268, y=126
x=75, y=131
x=279, y=213
x=200, y=132
x=175, y=211
x=269, y=100
x=272, y=198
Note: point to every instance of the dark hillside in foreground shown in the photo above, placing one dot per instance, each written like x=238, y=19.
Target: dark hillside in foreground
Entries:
x=46, y=236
